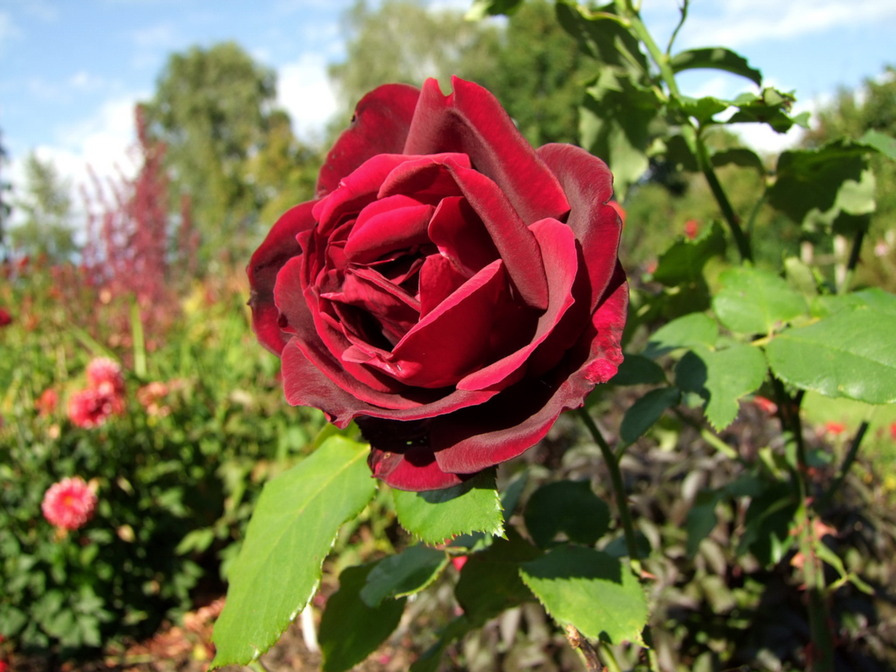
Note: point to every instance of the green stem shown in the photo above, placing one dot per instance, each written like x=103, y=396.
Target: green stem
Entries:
x=718, y=192
x=813, y=571
x=663, y=63
x=848, y=461
x=625, y=516
x=854, y=254
x=628, y=527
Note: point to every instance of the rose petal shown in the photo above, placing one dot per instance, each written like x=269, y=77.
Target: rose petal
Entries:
x=439, y=279
x=588, y=184
x=278, y=247
x=458, y=233
x=400, y=455
x=354, y=191
x=514, y=241
x=471, y=121
x=379, y=126
x=476, y=438
x=395, y=222
x=313, y=378
x=558, y=247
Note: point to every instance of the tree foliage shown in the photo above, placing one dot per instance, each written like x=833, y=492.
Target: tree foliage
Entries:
x=46, y=206
x=404, y=41
x=212, y=109
x=538, y=74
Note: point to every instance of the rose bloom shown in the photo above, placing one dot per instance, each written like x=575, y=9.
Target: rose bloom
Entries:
x=92, y=407
x=5, y=318
x=69, y=503
x=105, y=375
x=451, y=289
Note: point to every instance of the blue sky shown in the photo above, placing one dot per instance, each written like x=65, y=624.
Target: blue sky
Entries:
x=71, y=70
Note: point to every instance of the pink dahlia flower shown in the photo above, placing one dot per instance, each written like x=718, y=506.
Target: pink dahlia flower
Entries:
x=92, y=407
x=69, y=503
x=105, y=375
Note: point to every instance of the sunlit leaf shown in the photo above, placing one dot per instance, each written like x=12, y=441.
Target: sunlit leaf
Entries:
x=440, y=515
x=721, y=378
x=847, y=354
x=683, y=332
x=754, y=301
x=292, y=529
x=590, y=590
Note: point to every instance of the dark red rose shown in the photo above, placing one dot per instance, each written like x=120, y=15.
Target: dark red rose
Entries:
x=451, y=289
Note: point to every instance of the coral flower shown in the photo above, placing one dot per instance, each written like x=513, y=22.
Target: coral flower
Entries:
x=47, y=402
x=69, y=503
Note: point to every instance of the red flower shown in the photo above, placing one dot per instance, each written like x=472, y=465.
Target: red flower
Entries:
x=766, y=405
x=835, y=428
x=91, y=407
x=451, y=288
x=105, y=375
x=69, y=503
x=691, y=228
x=5, y=318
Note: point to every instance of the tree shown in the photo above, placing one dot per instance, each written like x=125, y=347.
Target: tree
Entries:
x=403, y=41
x=211, y=109
x=46, y=205
x=284, y=170
x=5, y=207
x=539, y=73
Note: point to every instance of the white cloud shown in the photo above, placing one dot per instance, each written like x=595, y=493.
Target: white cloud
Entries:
x=303, y=90
x=736, y=23
x=9, y=31
x=100, y=143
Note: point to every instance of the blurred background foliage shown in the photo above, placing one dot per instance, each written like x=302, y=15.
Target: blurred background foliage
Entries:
x=176, y=486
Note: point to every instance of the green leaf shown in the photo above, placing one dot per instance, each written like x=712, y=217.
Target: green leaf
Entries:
x=754, y=301
x=716, y=58
x=721, y=378
x=484, y=8
x=683, y=332
x=848, y=354
x=439, y=515
x=403, y=574
x=568, y=507
x=701, y=519
x=881, y=142
x=683, y=262
x=642, y=415
x=738, y=156
x=490, y=582
x=703, y=109
x=590, y=590
x=614, y=122
x=809, y=183
x=291, y=531
x=770, y=107
x=350, y=630
x=638, y=370
x=603, y=35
